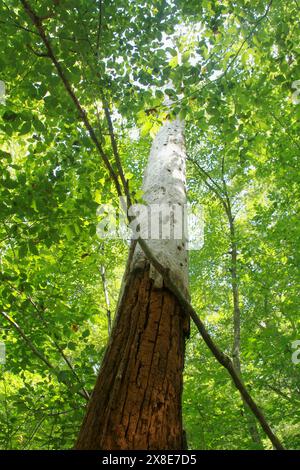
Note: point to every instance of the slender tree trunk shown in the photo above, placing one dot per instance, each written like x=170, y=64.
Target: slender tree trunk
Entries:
x=236, y=348
x=136, y=403
x=223, y=196
x=106, y=296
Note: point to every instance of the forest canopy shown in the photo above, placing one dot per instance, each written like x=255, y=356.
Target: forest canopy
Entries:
x=85, y=87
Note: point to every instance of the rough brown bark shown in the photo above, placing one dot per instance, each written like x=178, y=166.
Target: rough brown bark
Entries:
x=136, y=403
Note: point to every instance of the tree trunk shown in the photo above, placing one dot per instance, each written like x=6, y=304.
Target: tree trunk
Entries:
x=136, y=403
x=236, y=348
x=106, y=296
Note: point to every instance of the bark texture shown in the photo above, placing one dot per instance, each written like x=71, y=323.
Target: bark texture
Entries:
x=136, y=403
x=164, y=224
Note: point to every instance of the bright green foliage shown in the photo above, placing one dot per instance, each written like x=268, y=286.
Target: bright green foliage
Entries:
x=229, y=68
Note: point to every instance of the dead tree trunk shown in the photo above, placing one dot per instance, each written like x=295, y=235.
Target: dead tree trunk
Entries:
x=136, y=403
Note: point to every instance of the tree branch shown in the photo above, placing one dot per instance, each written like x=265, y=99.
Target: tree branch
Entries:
x=116, y=151
x=106, y=296
x=99, y=27
x=54, y=342
x=27, y=340
x=36, y=20
x=35, y=350
x=213, y=185
x=37, y=53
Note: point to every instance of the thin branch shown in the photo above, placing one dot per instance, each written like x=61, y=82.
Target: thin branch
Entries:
x=285, y=128
x=249, y=36
x=54, y=342
x=34, y=349
x=213, y=185
x=207, y=175
x=282, y=394
x=231, y=63
x=37, y=53
x=106, y=296
x=228, y=202
x=116, y=151
x=36, y=20
x=99, y=27
x=34, y=431
x=27, y=340
x=17, y=25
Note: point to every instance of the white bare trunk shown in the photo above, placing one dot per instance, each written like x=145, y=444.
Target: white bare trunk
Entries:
x=164, y=189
